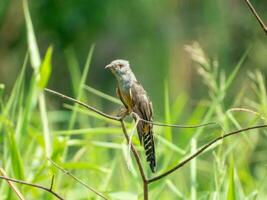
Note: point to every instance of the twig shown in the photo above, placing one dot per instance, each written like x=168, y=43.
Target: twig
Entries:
x=180, y=164
x=138, y=161
x=33, y=185
x=83, y=104
x=77, y=179
x=119, y=118
x=249, y=111
x=172, y=125
x=130, y=142
x=52, y=182
x=256, y=15
x=12, y=185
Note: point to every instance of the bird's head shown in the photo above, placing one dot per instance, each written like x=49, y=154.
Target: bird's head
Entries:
x=119, y=67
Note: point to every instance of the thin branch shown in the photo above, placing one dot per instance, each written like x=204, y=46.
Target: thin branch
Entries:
x=130, y=142
x=145, y=189
x=77, y=179
x=177, y=125
x=52, y=182
x=137, y=158
x=179, y=165
x=119, y=118
x=83, y=104
x=256, y=15
x=33, y=185
x=173, y=125
x=12, y=185
x=249, y=111
x=138, y=161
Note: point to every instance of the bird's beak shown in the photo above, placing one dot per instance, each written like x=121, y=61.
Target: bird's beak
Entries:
x=108, y=66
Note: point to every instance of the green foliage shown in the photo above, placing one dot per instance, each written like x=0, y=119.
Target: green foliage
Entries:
x=45, y=69
x=93, y=148
x=231, y=182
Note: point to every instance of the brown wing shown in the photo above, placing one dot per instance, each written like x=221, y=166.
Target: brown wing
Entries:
x=143, y=107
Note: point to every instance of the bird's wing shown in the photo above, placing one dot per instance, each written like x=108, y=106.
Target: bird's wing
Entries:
x=143, y=107
x=141, y=101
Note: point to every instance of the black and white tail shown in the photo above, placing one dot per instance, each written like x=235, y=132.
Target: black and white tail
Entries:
x=145, y=133
x=148, y=141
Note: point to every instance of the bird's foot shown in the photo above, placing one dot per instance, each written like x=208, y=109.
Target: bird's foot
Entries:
x=134, y=115
x=123, y=112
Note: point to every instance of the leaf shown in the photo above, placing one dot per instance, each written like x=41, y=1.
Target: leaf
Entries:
x=45, y=69
x=231, y=183
x=103, y=95
x=234, y=73
x=81, y=84
x=120, y=195
x=32, y=44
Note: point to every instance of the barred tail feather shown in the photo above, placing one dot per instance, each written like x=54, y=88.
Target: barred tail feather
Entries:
x=149, y=147
x=145, y=134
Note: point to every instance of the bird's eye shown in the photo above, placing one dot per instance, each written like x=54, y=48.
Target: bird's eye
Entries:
x=120, y=65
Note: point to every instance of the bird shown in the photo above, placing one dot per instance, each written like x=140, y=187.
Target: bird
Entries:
x=135, y=99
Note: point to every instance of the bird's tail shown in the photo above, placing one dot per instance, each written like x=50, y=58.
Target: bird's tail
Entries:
x=148, y=142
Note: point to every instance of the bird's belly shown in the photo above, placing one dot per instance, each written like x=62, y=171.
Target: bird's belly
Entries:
x=127, y=99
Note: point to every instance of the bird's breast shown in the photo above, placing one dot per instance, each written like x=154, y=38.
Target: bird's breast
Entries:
x=126, y=95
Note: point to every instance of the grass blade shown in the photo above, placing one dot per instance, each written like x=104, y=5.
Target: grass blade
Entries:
x=168, y=131
x=103, y=95
x=81, y=84
x=231, y=183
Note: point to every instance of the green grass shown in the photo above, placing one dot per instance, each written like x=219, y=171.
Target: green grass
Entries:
x=93, y=148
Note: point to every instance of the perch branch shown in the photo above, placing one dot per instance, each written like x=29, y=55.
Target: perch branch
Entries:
x=119, y=118
x=256, y=15
x=145, y=180
x=138, y=161
x=180, y=164
x=33, y=185
x=83, y=104
x=77, y=179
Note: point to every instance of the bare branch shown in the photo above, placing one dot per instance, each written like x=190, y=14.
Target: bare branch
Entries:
x=12, y=185
x=33, y=185
x=249, y=111
x=119, y=118
x=138, y=161
x=83, y=104
x=77, y=179
x=256, y=15
x=137, y=158
x=52, y=182
x=172, y=125
x=181, y=164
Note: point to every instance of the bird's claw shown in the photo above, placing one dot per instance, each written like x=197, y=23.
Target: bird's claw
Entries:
x=123, y=113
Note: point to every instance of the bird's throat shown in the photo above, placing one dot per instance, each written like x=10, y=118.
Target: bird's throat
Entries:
x=125, y=81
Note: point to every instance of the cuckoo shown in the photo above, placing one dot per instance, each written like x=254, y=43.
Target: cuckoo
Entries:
x=136, y=100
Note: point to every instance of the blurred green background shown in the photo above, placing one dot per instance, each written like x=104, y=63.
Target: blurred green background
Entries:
x=189, y=83
x=150, y=34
